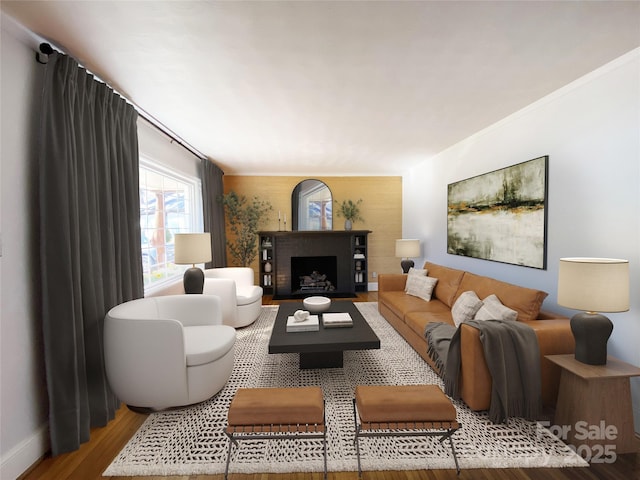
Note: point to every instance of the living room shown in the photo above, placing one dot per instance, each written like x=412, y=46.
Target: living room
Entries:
x=589, y=128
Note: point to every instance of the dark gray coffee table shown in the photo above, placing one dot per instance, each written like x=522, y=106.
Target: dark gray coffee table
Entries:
x=324, y=348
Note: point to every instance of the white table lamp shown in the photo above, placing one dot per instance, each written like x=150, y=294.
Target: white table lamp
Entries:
x=192, y=248
x=405, y=249
x=593, y=285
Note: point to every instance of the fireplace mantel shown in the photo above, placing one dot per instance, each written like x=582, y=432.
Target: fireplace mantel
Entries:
x=278, y=247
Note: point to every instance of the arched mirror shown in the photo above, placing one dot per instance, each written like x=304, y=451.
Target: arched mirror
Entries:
x=311, y=206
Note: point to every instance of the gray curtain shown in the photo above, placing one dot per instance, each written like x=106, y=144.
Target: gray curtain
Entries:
x=213, y=211
x=89, y=240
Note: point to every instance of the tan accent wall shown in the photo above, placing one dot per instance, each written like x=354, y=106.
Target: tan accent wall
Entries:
x=381, y=208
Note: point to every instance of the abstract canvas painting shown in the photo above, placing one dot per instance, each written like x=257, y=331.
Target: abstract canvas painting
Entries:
x=501, y=215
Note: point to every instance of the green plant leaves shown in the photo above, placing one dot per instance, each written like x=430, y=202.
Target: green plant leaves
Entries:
x=245, y=217
x=350, y=210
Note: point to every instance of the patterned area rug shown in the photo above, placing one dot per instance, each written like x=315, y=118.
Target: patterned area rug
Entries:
x=191, y=441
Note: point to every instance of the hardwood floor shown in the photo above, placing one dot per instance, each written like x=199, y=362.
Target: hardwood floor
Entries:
x=94, y=457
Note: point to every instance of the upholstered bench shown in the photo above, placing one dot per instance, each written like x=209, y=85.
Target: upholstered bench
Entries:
x=411, y=410
x=276, y=413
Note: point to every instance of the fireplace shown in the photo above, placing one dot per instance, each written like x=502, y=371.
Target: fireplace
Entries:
x=317, y=274
x=328, y=253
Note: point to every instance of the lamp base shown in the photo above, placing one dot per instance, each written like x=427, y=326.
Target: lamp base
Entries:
x=406, y=264
x=193, y=280
x=591, y=331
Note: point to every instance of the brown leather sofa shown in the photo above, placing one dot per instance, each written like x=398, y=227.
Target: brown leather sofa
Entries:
x=409, y=315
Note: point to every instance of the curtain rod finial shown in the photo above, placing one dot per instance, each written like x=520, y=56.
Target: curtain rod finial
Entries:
x=46, y=48
x=43, y=55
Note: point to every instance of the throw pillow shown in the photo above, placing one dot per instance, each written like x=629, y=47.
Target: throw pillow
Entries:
x=493, y=309
x=413, y=272
x=465, y=308
x=418, y=271
x=421, y=287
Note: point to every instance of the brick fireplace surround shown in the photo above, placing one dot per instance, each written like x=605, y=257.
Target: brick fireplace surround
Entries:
x=324, y=245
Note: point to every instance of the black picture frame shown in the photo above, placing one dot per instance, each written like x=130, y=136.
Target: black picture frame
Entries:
x=501, y=215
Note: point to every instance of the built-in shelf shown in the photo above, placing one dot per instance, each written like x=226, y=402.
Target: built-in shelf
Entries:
x=267, y=267
x=359, y=251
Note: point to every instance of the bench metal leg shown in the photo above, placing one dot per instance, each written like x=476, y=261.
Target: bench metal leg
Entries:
x=449, y=435
x=324, y=442
x=231, y=442
x=357, y=442
x=444, y=435
x=455, y=457
x=234, y=441
x=356, y=438
x=324, y=437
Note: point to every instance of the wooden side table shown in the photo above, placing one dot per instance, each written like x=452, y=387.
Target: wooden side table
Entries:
x=594, y=405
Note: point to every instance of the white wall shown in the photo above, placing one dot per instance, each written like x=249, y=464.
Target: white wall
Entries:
x=23, y=400
x=159, y=148
x=591, y=132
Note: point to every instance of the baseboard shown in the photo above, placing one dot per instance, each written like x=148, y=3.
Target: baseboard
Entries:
x=25, y=455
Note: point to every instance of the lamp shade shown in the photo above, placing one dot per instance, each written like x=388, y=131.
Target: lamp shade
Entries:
x=192, y=248
x=407, y=248
x=594, y=284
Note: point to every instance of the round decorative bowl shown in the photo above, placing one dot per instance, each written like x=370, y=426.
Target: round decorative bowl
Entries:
x=316, y=304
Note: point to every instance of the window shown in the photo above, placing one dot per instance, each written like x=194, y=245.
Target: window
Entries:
x=170, y=203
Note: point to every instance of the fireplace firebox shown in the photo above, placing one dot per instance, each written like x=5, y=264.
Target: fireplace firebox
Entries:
x=317, y=274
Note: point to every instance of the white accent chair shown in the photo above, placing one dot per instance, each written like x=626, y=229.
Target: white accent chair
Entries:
x=241, y=299
x=167, y=351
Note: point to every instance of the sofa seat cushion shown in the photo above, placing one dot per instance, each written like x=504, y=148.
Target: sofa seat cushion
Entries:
x=438, y=312
x=400, y=303
x=526, y=301
x=248, y=294
x=206, y=344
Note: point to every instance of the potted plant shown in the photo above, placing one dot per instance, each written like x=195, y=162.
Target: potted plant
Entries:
x=350, y=210
x=245, y=217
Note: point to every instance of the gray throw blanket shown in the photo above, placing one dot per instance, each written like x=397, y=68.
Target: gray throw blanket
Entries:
x=438, y=339
x=513, y=358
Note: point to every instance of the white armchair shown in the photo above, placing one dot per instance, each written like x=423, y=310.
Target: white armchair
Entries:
x=167, y=351
x=241, y=299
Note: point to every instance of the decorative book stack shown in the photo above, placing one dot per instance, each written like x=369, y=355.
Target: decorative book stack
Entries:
x=310, y=324
x=336, y=320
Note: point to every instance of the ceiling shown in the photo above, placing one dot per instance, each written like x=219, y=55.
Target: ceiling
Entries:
x=331, y=87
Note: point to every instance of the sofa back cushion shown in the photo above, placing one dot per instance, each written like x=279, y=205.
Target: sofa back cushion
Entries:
x=448, y=282
x=526, y=301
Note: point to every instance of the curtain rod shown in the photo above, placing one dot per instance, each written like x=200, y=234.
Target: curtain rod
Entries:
x=43, y=57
